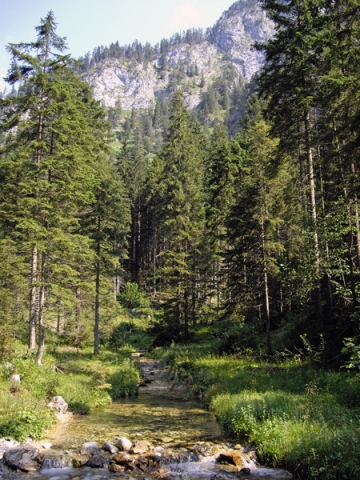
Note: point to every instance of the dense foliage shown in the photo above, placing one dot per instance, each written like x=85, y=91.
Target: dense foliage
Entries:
x=252, y=233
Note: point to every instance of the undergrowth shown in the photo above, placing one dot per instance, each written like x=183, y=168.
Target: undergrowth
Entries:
x=84, y=381
x=301, y=417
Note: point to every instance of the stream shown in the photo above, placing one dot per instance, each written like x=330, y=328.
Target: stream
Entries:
x=184, y=439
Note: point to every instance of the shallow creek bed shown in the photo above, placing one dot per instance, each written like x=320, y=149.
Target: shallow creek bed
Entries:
x=158, y=434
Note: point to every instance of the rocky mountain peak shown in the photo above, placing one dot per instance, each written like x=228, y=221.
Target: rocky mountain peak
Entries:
x=235, y=33
x=136, y=82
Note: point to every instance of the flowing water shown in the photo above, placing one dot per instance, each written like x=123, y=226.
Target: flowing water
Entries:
x=161, y=416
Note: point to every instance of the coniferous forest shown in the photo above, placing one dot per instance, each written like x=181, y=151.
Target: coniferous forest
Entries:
x=248, y=235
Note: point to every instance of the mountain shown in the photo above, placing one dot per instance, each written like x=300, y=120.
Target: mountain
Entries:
x=136, y=76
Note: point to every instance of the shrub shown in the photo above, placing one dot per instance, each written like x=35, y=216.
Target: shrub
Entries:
x=124, y=381
x=132, y=297
x=27, y=423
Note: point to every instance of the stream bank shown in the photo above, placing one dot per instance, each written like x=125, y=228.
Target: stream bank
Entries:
x=169, y=438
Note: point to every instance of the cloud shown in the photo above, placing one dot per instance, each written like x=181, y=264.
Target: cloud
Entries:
x=185, y=16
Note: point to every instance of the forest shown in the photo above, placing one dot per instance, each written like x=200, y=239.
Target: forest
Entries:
x=247, y=237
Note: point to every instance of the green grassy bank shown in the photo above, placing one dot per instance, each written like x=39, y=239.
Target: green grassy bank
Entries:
x=84, y=381
x=299, y=416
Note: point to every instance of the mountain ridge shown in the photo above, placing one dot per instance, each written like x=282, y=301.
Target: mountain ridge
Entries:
x=136, y=83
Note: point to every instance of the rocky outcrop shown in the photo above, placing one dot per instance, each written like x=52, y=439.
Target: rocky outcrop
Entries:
x=235, y=33
x=228, y=44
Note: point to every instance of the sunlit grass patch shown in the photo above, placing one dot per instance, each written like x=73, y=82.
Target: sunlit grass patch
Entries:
x=299, y=416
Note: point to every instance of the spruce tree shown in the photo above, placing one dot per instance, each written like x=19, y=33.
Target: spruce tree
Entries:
x=180, y=213
x=55, y=135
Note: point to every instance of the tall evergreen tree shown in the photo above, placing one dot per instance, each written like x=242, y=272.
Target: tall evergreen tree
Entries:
x=55, y=135
x=180, y=213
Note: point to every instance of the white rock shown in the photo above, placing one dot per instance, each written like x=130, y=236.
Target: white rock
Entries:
x=229, y=43
x=58, y=403
x=123, y=444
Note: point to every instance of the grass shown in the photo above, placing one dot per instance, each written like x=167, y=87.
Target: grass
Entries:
x=299, y=416
x=85, y=382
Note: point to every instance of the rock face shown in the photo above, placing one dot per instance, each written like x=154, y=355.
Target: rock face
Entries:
x=228, y=44
x=234, y=34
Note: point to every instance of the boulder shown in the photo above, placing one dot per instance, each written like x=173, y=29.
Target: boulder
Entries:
x=98, y=461
x=90, y=448
x=231, y=458
x=140, y=447
x=58, y=403
x=15, y=378
x=245, y=471
x=123, y=444
x=79, y=461
x=24, y=459
x=88, y=445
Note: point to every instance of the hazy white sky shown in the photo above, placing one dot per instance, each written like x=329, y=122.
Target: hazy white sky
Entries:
x=90, y=23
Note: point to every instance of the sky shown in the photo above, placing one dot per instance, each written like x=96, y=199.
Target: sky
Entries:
x=90, y=23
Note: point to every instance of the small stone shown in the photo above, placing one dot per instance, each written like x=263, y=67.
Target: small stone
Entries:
x=140, y=447
x=122, y=458
x=123, y=444
x=108, y=447
x=231, y=458
x=114, y=468
x=15, y=378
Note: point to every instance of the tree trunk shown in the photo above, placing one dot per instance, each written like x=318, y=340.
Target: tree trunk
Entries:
x=77, y=316
x=33, y=300
x=41, y=347
x=266, y=292
x=311, y=179
x=97, y=292
x=58, y=317
x=154, y=265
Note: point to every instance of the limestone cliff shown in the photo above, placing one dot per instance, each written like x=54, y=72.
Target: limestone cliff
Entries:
x=228, y=44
